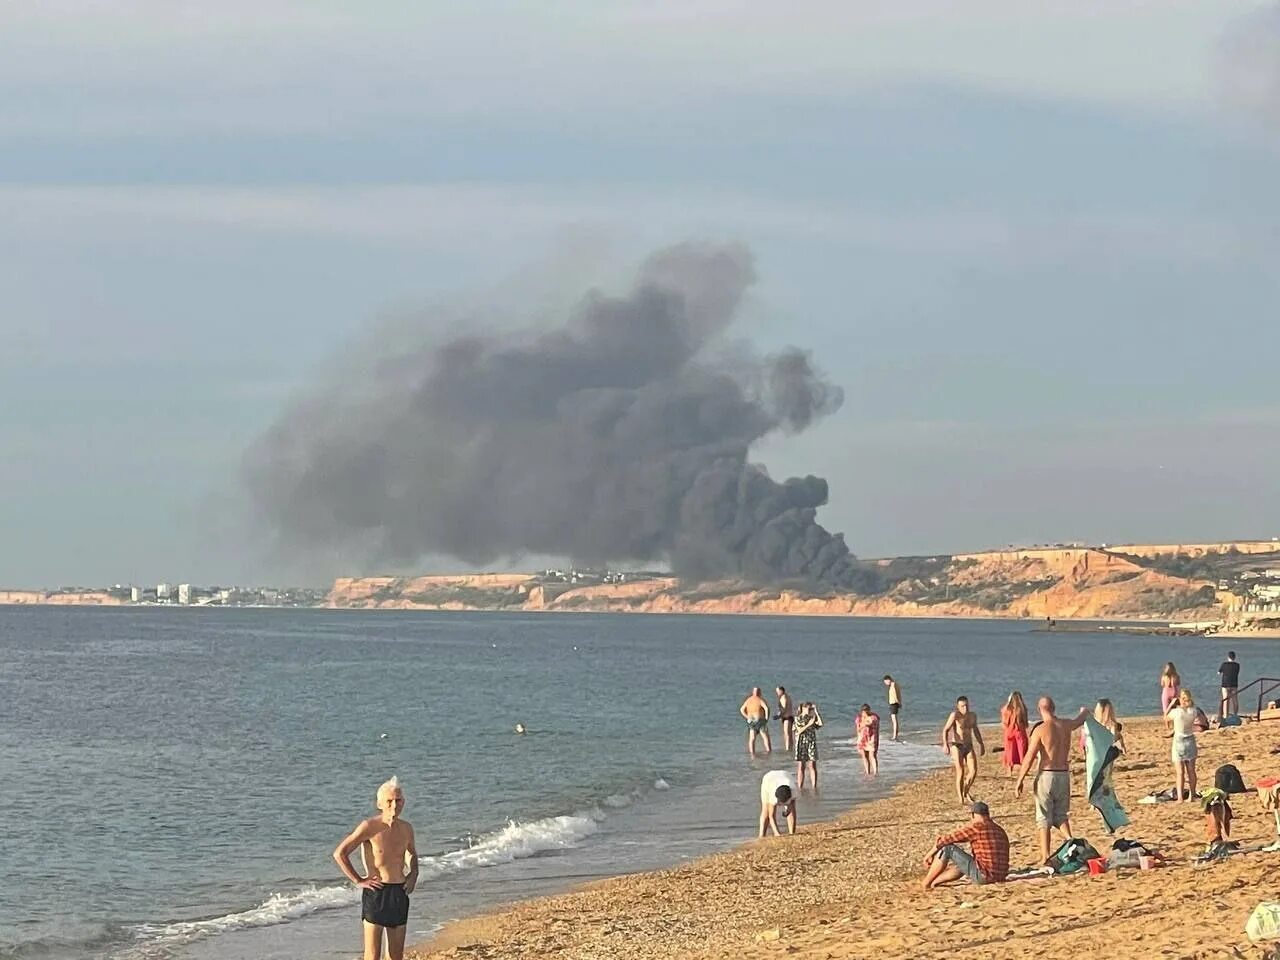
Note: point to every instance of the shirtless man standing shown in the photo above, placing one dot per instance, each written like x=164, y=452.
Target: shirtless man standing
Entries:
x=786, y=716
x=386, y=841
x=755, y=710
x=1051, y=742
x=958, y=736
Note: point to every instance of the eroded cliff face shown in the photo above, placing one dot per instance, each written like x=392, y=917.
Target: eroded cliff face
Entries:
x=1068, y=582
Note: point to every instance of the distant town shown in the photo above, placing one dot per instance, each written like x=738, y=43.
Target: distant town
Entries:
x=172, y=595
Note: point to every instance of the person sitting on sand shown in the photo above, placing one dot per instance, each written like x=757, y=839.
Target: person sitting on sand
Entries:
x=1182, y=717
x=386, y=842
x=1013, y=721
x=988, y=862
x=777, y=801
x=786, y=716
x=755, y=711
x=1051, y=744
x=867, y=737
x=808, y=720
x=895, y=704
x=958, y=736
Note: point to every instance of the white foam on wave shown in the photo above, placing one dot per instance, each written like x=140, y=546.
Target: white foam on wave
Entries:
x=277, y=908
x=661, y=784
x=517, y=840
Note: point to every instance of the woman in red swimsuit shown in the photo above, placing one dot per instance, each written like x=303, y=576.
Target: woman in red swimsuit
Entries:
x=1013, y=718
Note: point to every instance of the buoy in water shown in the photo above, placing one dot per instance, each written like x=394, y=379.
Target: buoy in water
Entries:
x=520, y=728
x=382, y=736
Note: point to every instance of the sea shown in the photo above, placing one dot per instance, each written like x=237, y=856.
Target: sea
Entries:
x=173, y=781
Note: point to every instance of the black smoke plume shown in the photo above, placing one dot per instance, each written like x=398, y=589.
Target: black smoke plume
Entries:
x=623, y=435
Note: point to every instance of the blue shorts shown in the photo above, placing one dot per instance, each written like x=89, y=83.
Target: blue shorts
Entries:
x=963, y=860
x=758, y=725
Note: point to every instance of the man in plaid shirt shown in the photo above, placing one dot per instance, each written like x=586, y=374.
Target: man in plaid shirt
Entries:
x=989, y=862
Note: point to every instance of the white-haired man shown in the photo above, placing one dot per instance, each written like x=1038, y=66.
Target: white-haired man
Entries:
x=387, y=844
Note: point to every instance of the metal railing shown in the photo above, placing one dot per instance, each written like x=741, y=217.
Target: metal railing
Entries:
x=1265, y=686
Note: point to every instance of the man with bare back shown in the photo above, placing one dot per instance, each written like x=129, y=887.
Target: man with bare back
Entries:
x=755, y=710
x=386, y=843
x=958, y=736
x=1051, y=743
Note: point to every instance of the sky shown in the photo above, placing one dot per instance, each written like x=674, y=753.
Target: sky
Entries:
x=1034, y=243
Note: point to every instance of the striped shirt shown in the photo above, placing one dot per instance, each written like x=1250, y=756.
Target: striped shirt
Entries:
x=990, y=847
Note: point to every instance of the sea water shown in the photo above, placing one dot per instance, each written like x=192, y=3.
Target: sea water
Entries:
x=173, y=781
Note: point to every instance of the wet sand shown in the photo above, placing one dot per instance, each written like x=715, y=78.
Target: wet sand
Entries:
x=849, y=888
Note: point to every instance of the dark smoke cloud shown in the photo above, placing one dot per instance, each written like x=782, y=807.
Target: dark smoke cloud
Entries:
x=622, y=436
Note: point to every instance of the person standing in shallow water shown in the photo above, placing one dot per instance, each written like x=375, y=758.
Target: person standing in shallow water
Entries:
x=386, y=842
x=755, y=710
x=895, y=704
x=786, y=716
x=808, y=720
x=867, y=737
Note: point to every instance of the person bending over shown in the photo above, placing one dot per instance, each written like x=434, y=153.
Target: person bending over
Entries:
x=777, y=802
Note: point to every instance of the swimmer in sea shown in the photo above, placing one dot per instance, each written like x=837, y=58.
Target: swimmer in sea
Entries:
x=386, y=842
x=755, y=710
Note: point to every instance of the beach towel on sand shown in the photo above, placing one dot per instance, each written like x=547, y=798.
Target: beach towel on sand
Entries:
x=1100, y=754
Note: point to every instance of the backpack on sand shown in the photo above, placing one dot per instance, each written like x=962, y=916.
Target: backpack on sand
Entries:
x=1073, y=856
x=1228, y=779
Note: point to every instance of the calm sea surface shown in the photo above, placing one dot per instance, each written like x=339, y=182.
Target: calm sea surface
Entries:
x=173, y=781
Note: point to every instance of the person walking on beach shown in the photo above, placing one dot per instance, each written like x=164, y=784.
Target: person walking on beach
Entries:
x=895, y=704
x=1182, y=718
x=786, y=716
x=867, y=736
x=988, y=862
x=1170, y=684
x=1013, y=721
x=777, y=801
x=386, y=842
x=1229, y=671
x=958, y=736
x=808, y=721
x=1050, y=743
x=755, y=711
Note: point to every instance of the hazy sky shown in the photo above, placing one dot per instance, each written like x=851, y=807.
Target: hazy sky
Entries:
x=1036, y=243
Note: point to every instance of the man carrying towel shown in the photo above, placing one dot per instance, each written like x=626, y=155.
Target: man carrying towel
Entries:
x=1051, y=743
x=989, y=861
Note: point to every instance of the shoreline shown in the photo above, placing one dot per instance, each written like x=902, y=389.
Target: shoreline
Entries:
x=848, y=887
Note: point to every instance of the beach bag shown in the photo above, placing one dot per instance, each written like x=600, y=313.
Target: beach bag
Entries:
x=1228, y=779
x=1264, y=922
x=1073, y=856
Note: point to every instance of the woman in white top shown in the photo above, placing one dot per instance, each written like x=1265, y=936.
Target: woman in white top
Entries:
x=1182, y=717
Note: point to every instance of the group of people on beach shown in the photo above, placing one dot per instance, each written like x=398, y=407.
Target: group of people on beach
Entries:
x=800, y=725
x=390, y=856
x=1047, y=743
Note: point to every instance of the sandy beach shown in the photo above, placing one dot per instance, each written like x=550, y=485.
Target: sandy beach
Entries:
x=849, y=888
